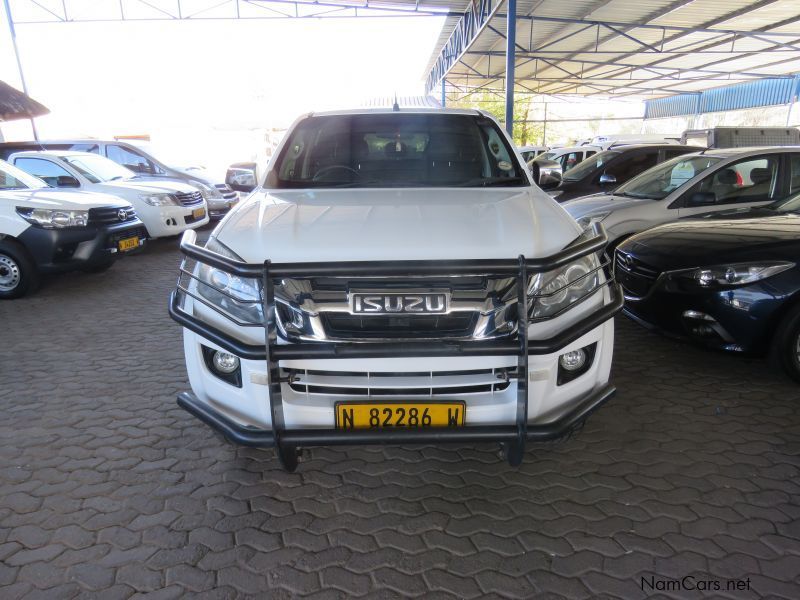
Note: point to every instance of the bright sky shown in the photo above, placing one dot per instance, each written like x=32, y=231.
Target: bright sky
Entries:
x=157, y=78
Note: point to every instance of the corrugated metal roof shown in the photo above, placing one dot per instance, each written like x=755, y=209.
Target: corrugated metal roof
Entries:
x=647, y=48
x=766, y=92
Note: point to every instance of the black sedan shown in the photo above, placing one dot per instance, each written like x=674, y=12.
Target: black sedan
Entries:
x=730, y=284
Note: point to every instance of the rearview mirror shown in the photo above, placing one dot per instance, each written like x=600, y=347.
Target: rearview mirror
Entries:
x=549, y=179
x=608, y=179
x=67, y=181
x=242, y=178
x=702, y=198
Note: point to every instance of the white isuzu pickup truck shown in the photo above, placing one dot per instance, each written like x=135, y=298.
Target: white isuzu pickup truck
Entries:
x=397, y=278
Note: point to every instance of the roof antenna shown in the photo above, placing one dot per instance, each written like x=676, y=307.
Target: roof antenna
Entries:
x=395, y=106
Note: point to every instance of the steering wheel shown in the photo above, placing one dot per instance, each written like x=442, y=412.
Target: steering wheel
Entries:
x=332, y=168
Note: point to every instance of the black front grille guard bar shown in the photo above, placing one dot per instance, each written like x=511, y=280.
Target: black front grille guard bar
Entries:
x=272, y=352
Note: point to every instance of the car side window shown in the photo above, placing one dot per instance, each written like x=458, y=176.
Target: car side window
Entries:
x=753, y=179
x=590, y=153
x=43, y=169
x=133, y=160
x=93, y=148
x=628, y=167
x=570, y=160
x=794, y=173
x=669, y=154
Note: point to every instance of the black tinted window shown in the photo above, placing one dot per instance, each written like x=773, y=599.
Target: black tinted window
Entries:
x=397, y=150
x=132, y=160
x=630, y=166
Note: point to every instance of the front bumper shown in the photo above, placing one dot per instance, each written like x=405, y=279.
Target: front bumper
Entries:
x=57, y=250
x=164, y=221
x=739, y=320
x=265, y=438
x=219, y=207
x=273, y=408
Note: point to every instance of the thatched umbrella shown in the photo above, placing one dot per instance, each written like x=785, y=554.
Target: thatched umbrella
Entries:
x=16, y=105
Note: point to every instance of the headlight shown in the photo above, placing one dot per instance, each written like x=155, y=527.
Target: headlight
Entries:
x=240, y=297
x=589, y=220
x=554, y=291
x=209, y=192
x=728, y=275
x=54, y=218
x=159, y=199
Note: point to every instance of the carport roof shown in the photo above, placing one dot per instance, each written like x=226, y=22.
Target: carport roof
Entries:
x=647, y=48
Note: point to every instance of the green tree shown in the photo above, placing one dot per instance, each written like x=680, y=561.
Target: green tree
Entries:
x=525, y=132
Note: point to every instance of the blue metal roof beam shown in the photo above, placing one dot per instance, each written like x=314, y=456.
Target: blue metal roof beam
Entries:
x=472, y=23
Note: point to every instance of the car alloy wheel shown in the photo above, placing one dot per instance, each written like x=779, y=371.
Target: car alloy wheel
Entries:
x=9, y=274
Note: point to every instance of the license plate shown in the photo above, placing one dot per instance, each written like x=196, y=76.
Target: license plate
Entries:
x=128, y=244
x=379, y=415
x=199, y=213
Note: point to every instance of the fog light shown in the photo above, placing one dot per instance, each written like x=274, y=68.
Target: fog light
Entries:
x=225, y=363
x=572, y=365
x=572, y=361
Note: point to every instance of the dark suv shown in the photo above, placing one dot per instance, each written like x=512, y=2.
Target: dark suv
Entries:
x=606, y=170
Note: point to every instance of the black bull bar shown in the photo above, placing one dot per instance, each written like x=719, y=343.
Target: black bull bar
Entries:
x=286, y=441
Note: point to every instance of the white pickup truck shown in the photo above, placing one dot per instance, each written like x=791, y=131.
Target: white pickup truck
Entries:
x=397, y=278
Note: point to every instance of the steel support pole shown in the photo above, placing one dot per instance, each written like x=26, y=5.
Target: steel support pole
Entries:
x=13, y=33
x=444, y=96
x=511, y=55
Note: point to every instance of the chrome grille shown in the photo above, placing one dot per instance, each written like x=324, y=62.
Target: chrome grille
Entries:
x=635, y=277
x=411, y=326
x=189, y=198
x=319, y=309
x=109, y=215
x=425, y=383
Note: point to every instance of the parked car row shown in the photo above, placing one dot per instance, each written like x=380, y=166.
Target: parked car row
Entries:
x=142, y=160
x=64, y=210
x=706, y=245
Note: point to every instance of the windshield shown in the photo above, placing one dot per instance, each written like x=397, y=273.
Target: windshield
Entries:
x=590, y=165
x=396, y=150
x=12, y=178
x=98, y=168
x=661, y=180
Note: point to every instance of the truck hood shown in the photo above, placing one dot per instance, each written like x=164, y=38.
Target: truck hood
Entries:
x=694, y=243
x=65, y=200
x=392, y=224
x=599, y=203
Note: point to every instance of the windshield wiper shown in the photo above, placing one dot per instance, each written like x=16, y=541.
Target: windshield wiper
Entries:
x=115, y=178
x=629, y=195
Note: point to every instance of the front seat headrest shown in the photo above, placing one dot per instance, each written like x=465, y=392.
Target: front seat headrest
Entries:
x=727, y=177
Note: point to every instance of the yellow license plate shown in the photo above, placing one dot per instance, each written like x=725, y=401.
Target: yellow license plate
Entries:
x=199, y=213
x=374, y=415
x=128, y=244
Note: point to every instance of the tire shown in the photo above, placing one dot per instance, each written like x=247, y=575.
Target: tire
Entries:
x=786, y=346
x=18, y=273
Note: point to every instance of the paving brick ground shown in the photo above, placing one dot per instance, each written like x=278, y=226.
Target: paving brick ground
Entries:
x=107, y=489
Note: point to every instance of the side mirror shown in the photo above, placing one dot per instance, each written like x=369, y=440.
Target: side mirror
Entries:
x=241, y=178
x=702, y=198
x=608, y=179
x=549, y=179
x=67, y=181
